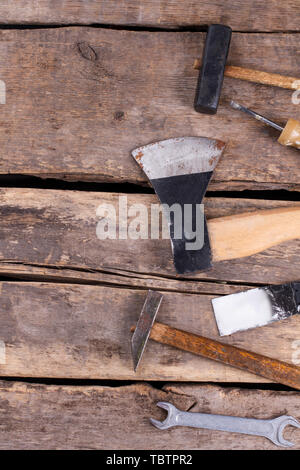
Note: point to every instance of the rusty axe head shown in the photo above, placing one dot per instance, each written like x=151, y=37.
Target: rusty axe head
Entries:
x=144, y=325
x=179, y=170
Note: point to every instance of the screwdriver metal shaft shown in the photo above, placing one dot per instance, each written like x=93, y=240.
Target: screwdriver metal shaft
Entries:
x=257, y=116
x=289, y=134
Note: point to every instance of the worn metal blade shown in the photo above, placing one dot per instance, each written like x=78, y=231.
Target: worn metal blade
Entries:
x=179, y=156
x=256, y=307
x=144, y=325
x=179, y=170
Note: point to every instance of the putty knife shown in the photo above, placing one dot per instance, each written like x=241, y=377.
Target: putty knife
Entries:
x=256, y=307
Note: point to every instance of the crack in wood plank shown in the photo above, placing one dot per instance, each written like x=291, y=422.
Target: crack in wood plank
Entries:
x=254, y=16
x=96, y=417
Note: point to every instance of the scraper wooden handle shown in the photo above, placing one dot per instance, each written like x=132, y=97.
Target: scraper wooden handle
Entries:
x=245, y=234
x=258, y=364
x=257, y=76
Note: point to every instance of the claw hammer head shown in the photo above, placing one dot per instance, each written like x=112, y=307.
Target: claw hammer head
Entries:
x=144, y=325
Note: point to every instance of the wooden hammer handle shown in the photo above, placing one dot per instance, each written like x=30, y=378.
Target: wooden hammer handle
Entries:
x=258, y=364
x=257, y=76
x=249, y=233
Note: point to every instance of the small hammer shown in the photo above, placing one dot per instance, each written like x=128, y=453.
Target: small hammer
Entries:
x=258, y=364
x=214, y=68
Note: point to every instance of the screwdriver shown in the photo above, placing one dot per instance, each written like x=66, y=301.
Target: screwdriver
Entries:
x=290, y=133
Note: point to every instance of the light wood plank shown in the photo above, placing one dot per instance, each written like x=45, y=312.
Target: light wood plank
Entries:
x=115, y=277
x=72, y=331
x=242, y=16
x=95, y=417
x=47, y=229
x=79, y=100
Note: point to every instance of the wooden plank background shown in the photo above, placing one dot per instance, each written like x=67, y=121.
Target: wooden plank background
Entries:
x=97, y=417
x=242, y=16
x=57, y=229
x=79, y=100
x=77, y=331
x=87, y=82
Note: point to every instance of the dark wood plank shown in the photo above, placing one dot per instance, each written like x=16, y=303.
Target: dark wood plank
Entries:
x=57, y=229
x=94, y=417
x=80, y=331
x=242, y=16
x=80, y=99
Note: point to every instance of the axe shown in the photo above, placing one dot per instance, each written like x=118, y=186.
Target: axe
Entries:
x=264, y=366
x=179, y=170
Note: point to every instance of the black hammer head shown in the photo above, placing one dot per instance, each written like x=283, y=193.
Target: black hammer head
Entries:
x=144, y=325
x=211, y=75
x=179, y=170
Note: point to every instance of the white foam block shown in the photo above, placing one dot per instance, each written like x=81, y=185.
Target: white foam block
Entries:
x=242, y=311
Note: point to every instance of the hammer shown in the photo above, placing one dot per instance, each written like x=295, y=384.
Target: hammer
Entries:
x=214, y=68
x=272, y=369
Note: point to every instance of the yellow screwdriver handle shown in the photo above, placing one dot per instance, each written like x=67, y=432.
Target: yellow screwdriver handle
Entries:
x=290, y=135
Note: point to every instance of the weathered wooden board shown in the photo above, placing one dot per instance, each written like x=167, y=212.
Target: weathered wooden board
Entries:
x=80, y=99
x=57, y=229
x=79, y=331
x=115, y=278
x=242, y=16
x=95, y=417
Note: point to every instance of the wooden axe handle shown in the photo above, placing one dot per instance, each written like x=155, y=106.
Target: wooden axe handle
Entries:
x=258, y=364
x=257, y=76
x=245, y=234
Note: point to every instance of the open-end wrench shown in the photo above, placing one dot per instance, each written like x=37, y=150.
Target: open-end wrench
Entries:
x=270, y=428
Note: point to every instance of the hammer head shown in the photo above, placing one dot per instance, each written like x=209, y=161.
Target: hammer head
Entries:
x=211, y=76
x=179, y=170
x=144, y=325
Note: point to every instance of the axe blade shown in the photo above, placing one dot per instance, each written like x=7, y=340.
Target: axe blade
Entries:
x=179, y=170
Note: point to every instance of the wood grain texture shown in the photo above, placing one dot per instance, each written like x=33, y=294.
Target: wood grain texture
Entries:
x=243, y=235
x=47, y=229
x=79, y=331
x=257, y=76
x=273, y=369
x=115, y=277
x=95, y=417
x=242, y=16
x=79, y=100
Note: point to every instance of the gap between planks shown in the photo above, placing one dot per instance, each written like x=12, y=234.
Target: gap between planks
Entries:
x=266, y=16
x=176, y=29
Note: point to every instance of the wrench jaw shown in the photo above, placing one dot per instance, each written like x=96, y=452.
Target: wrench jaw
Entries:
x=279, y=425
x=171, y=416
